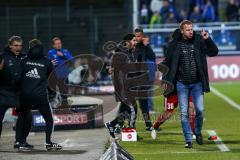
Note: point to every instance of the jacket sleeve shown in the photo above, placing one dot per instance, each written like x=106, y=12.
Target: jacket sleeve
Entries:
x=150, y=55
x=51, y=91
x=50, y=55
x=168, y=58
x=50, y=68
x=210, y=48
x=168, y=55
x=67, y=55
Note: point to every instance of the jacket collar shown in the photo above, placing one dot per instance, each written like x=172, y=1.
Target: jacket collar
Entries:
x=177, y=35
x=8, y=51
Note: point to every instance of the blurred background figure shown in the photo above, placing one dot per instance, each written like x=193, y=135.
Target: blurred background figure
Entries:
x=232, y=11
x=155, y=20
x=183, y=15
x=196, y=15
x=156, y=5
x=209, y=12
x=194, y=3
x=144, y=14
x=166, y=10
x=171, y=18
x=59, y=56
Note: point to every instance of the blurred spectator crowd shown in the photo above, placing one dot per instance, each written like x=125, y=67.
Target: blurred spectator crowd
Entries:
x=157, y=12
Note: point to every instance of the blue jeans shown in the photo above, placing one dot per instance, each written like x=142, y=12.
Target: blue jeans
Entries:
x=184, y=91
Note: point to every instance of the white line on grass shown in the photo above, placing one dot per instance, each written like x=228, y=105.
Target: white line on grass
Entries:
x=225, y=98
x=218, y=141
x=222, y=147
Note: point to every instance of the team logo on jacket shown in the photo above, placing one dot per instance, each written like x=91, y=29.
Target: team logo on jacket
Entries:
x=33, y=73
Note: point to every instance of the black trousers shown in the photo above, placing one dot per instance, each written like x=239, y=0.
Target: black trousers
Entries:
x=23, y=125
x=126, y=112
x=23, y=118
x=143, y=103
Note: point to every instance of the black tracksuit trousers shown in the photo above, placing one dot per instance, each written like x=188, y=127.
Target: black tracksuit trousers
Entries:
x=23, y=118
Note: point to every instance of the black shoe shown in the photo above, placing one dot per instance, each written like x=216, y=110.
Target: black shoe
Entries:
x=25, y=147
x=188, y=145
x=199, y=139
x=110, y=129
x=29, y=145
x=16, y=145
x=118, y=130
x=53, y=146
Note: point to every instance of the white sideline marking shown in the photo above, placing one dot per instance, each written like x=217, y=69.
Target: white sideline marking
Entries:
x=225, y=98
x=69, y=143
x=65, y=143
x=218, y=141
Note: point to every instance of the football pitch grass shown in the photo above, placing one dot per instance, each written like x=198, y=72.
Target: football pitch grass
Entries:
x=219, y=116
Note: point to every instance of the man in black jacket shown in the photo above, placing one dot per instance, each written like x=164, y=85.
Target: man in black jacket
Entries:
x=187, y=63
x=10, y=74
x=144, y=53
x=33, y=94
x=126, y=111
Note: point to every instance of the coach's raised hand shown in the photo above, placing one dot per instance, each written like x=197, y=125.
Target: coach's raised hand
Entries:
x=204, y=34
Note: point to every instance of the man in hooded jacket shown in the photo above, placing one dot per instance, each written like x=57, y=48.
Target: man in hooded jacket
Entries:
x=33, y=94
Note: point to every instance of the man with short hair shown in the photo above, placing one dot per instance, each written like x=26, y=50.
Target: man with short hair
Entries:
x=126, y=111
x=36, y=69
x=144, y=53
x=10, y=74
x=58, y=56
x=21, y=134
x=34, y=42
x=186, y=59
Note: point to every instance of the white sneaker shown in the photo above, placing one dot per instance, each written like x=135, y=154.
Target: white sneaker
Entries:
x=193, y=136
x=154, y=133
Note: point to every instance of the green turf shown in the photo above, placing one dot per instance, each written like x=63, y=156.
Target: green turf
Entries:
x=169, y=145
x=231, y=89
